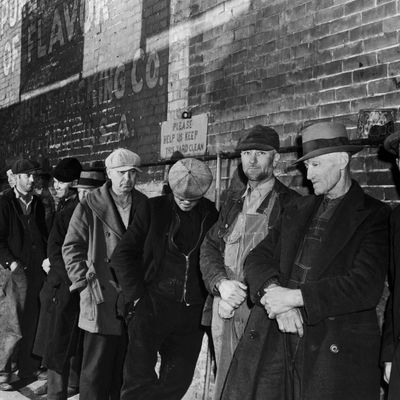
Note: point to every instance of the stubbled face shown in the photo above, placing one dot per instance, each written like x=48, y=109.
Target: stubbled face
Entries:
x=324, y=172
x=24, y=182
x=258, y=165
x=62, y=189
x=185, y=204
x=122, y=182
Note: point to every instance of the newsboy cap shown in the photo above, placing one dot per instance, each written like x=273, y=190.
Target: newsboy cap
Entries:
x=123, y=160
x=260, y=137
x=67, y=170
x=24, y=166
x=324, y=138
x=189, y=178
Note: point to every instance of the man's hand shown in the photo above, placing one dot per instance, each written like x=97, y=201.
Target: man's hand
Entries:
x=225, y=310
x=13, y=266
x=278, y=300
x=387, y=371
x=233, y=292
x=46, y=265
x=291, y=322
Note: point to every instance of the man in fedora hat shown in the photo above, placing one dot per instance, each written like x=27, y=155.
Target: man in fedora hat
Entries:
x=244, y=221
x=390, y=352
x=157, y=264
x=23, y=237
x=96, y=226
x=317, y=277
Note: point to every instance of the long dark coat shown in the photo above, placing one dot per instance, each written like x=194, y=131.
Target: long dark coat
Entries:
x=341, y=339
x=391, y=328
x=57, y=333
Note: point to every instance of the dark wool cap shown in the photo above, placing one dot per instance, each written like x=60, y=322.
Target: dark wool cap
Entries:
x=67, y=170
x=260, y=137
x=24, y=166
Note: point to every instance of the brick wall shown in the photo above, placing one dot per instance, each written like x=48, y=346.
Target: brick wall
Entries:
x=80, y=77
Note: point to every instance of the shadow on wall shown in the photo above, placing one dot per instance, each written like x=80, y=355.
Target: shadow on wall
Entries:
x=85, y=115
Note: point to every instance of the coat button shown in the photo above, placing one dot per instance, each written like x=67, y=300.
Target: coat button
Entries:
x=106, y=260
x=334, y=349
x=108, y=234
x=253, y=334
x=91, y=275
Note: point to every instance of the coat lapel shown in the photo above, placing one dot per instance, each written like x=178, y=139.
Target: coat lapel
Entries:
x=349, y=214
x=102, y=204
x=295, y=224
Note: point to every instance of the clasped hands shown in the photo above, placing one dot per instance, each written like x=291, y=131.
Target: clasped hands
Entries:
x=233, y=294
x=282, y=304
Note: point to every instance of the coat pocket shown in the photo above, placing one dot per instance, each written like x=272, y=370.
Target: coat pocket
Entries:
x=87, y=305
x=94, y=286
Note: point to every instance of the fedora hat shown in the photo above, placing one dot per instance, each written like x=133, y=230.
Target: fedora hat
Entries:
x=324, y=138
x=90, y=179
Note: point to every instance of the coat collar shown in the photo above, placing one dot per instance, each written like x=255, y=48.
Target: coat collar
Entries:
x=280, y=188
x=102, y=204
x=349, y=214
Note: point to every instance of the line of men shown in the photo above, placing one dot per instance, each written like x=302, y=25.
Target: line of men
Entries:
x=293, y=282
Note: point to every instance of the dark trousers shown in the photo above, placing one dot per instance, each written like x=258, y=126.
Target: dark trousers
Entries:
x=173, y=330
x=58, y=384
x=28, y=363
x=102, y=363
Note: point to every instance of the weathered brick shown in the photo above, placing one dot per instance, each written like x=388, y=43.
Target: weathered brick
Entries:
x=358, y=5
x=366, y=31
x=370, y=73
x=394, y=68
x=379, y=12
x=334, y=109
x=383, y=86
x=351, y=92
x=385, y=40
x=338, y=80
x=333, y=40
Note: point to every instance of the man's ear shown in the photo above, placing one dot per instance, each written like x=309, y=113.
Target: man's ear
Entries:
x=344, y=160
x=276, y=159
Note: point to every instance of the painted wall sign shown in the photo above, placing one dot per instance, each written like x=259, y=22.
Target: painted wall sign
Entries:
x=188, y=136
x=52, y=42
x=117, y=94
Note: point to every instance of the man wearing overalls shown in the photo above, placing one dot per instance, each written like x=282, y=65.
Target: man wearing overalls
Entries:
x=244, y=221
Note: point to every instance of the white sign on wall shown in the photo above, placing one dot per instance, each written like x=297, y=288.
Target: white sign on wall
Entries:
x=188, y=136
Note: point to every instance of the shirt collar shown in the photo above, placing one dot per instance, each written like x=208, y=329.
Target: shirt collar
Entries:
x=25, y=198
x=263, y=188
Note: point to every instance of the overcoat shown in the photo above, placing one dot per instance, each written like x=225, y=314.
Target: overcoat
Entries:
x=391, y=328
x=94, y=231
x=15, y=245
x=341, y=333
x=137, y=266
x=57, y=333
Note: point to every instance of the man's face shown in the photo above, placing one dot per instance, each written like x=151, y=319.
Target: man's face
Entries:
x=82, y=192
x=185, y=204
x=24, y=182
x=258, y=165
x=324, y=172
x=62, y=188
x=122, y=182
